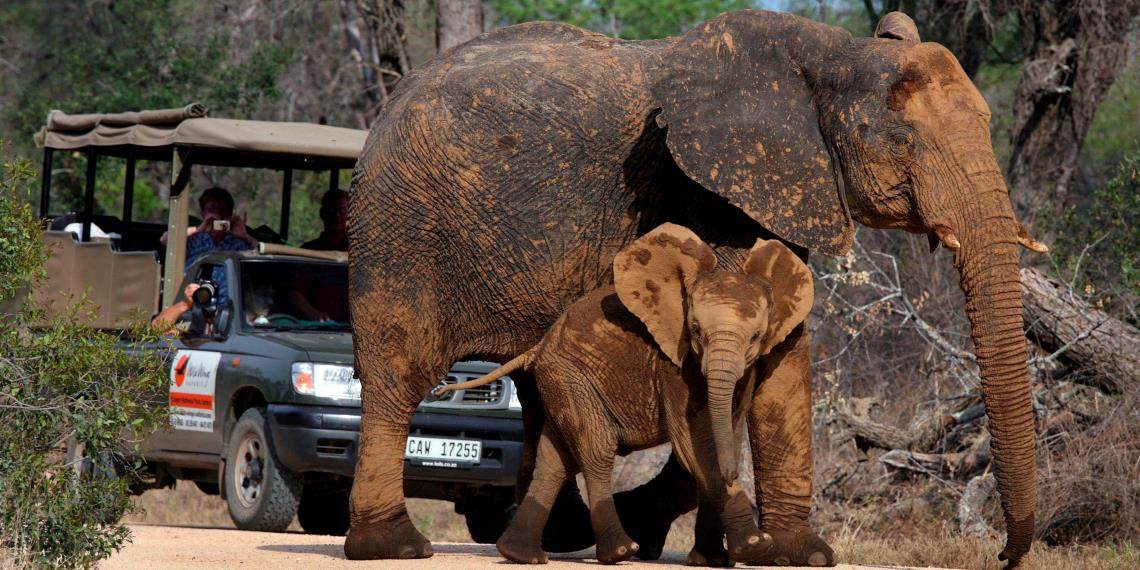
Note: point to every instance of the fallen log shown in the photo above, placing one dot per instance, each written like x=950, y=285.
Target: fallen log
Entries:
x=954, y=465
x=1079, y=335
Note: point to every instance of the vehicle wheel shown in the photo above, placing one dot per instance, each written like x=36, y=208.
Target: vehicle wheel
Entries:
x=89, y=467
x=324, y=513
x=262, y=494
x=487, y=519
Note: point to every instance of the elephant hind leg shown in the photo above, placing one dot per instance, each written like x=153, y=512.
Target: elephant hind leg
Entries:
x=522, y=541
x=396, y=370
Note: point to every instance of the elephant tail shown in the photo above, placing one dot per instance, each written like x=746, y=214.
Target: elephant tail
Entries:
x=519, y=362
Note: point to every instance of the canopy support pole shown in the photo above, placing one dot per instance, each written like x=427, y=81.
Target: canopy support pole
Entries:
x=176, y=231
x=89, y=194
x=128, y=197
x=334, y=179
x=286, y=196
x=45, y=184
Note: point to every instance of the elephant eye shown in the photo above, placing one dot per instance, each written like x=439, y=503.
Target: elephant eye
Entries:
x=755, y=336
x=900, y=141
x=695, y=328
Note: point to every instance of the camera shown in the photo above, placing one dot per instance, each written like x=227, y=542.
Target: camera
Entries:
x=221, y=225
x=204, y=294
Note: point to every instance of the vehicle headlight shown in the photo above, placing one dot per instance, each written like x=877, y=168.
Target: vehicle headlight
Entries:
x=325, y=380
x=513, y=403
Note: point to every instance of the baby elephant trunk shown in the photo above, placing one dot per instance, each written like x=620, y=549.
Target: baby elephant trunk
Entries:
x=723, y=367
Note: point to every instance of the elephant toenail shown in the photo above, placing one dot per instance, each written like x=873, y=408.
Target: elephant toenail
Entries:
x=621, y=550
x=753, y=539
x=782, y=561
x=817, y=559
x=766, y=537
x=634, y=547
x=407, y=552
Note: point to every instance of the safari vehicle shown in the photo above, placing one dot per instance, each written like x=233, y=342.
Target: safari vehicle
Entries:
x=264, y=403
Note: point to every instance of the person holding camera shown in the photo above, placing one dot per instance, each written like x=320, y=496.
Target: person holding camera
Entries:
x=168, y=319
x=221, y=229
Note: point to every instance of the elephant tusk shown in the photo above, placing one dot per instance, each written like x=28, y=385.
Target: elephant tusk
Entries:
x=947, y=237
x=1028, y=242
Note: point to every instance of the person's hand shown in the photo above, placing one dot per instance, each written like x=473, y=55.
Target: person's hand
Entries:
x=238, y=228
x=188, y=292
x=206, y=225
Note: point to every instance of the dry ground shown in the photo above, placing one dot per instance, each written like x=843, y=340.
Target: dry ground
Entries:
x=187, y=507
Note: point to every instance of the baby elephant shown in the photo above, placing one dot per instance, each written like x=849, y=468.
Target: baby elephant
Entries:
x=658, y=357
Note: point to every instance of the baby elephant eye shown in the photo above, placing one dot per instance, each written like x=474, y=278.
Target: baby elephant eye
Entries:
x=755, y=336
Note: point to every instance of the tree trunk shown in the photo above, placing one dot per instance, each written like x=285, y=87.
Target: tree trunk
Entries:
x=457, y=21
x=374, y=31
x=1075, y=49
x=1081, y=336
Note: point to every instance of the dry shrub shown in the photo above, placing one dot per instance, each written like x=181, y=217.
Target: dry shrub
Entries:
x=1089, y=479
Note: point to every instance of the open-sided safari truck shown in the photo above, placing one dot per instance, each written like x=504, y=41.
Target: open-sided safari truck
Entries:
x=265, y=408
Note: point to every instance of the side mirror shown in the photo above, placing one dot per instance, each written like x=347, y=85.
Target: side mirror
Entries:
x=222, y=320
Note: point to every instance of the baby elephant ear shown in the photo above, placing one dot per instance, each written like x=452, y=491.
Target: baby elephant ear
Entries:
x=651, y=276
x=793, y=291
x=897, y=26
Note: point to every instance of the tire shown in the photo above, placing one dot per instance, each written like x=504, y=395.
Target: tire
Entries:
x=486, y=520
x=324, y=513
x=261, y=494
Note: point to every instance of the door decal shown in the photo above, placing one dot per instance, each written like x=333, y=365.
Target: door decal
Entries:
x=192, y=380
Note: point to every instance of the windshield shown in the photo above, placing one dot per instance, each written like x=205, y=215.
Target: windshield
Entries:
x=293, y=295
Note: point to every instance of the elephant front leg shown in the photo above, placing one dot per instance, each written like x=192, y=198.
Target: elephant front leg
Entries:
x=380, y=526
x=779, y=426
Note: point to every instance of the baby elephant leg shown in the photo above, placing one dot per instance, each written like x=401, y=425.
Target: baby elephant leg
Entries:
x=595, y=456
x=522, y=541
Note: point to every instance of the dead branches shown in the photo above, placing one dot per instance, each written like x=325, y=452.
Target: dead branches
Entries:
x=1079, y=335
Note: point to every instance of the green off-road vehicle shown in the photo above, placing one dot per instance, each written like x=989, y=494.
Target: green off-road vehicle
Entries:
x=264, y=402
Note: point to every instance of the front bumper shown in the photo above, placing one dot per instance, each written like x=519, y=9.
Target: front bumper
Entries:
x=326, y=439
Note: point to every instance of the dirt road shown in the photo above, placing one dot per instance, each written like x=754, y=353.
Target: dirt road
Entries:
x=204, y=548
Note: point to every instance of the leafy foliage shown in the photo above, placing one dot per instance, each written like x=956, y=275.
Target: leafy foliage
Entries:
x=20, y=254
x=629, y=19
x=74, y=401
x=1097, y=241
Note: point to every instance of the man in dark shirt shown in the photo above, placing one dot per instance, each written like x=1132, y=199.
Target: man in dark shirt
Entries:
x=334, y=215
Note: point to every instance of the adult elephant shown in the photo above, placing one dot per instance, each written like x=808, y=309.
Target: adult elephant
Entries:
x=505, y=174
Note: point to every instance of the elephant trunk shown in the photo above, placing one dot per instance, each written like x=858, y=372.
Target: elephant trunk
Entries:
x=723, y=365
x=988, y=264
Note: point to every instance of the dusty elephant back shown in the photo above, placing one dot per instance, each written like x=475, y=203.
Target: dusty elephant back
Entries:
x=495, y=176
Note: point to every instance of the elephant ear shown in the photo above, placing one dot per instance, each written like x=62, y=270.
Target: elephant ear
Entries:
x=742, y=122
x=651, y=276
x=897, y=26
x=793, y=291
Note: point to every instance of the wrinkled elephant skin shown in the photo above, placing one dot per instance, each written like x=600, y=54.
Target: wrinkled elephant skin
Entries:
x=504, y=175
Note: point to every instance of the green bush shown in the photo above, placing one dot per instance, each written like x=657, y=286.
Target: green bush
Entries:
x=75, y=405
x=1097, y=242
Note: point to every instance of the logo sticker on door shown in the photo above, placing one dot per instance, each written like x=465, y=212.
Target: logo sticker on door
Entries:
x=192, y=380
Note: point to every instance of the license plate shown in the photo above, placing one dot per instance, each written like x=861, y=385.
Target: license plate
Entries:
x=443, y=452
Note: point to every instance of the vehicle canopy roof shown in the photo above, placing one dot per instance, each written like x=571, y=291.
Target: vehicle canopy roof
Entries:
x=150, y=135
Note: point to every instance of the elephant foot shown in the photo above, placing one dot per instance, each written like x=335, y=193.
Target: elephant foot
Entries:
x=394, y=539
x=520, y=549
x=568, y=527
x=748, y=545
x=711, y=556
x=797, y=547
x=615, y=547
